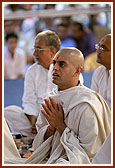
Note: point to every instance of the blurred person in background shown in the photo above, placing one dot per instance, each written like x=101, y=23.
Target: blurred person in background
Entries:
x=24, y=42
x=63, y=31
x=14, y=58
x=85, y=40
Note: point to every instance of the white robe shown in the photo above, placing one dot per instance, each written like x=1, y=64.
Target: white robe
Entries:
x=87, y=117
x=101, y=83
x=37, y=84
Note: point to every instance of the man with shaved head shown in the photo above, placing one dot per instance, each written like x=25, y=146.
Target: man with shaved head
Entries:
x=101, y=80
x=74, y=120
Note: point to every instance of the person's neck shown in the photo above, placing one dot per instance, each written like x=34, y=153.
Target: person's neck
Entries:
x=108, y=67
x=12, y=54
x=67, y=87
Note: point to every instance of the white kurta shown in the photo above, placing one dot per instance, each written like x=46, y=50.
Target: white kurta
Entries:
x=87, y=117
x=101, y=83
x=16, y=66
x=37, y=84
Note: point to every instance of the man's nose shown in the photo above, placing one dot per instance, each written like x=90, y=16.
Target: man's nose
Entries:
x=56, y=67
x=98, y=50
x=35, y=53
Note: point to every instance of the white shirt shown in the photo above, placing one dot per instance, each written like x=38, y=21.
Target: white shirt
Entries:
x=36, y=87
x=16, y=66
x=101, y=83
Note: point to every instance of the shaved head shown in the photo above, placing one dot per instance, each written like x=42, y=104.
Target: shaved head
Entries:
x=72, y=54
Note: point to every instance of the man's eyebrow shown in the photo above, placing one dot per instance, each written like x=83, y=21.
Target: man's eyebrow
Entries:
x=62, y=62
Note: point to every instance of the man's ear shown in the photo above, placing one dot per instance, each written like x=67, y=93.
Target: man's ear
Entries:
x=78, y=70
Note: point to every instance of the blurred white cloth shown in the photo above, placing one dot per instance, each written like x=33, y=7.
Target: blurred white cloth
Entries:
x=101, y=83
x=103, y=156
x=10, y=149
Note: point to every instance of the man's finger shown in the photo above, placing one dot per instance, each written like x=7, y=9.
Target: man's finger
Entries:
x=49, y=105
x=53, y=103
x=45, y=108
x=45, y=114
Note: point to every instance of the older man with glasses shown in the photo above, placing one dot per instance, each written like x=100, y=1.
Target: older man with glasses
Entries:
x=101, y=80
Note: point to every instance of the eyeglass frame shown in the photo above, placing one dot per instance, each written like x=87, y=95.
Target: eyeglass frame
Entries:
x=37, y=49
x=97, y=46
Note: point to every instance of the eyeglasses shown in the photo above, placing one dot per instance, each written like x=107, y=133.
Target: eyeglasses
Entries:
x=36, y=49
x=97, y=46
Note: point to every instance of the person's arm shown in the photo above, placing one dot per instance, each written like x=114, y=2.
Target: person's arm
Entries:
x=32, y=119
x=31, y=101
x=54, y=114
x=21, y=76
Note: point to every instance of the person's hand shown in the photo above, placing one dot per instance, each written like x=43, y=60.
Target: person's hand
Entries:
x=32, y=119
x=54, y=114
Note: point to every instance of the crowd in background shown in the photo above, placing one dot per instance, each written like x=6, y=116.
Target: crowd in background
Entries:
x=82, y=31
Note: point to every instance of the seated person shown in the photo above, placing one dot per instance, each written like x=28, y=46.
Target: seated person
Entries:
x=101, y=79
x=74, y=121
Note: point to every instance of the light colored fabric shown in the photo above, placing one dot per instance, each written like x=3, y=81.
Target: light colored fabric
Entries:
x=17, y=121
x=36, y=87
x=16, y=66
x=10, y=149
x=103, y=156
x=38, y=83
x=101, y=83
x=87, y=117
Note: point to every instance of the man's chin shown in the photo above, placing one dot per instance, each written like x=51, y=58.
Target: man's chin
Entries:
x=55, y=82
x=98, y=61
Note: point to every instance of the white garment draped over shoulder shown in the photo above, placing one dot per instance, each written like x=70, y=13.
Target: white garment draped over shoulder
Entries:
x=101, y=83
x=87, y=117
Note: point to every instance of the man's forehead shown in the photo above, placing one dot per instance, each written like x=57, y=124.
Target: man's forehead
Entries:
x=38, y=42
x=60, y=57
x=105, y=42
